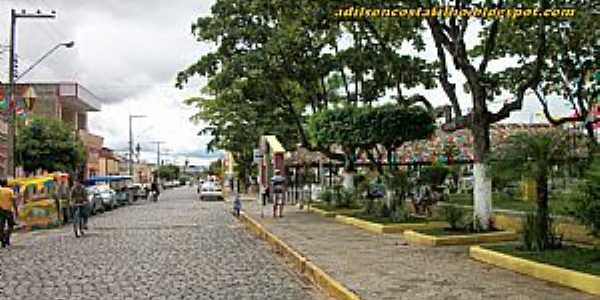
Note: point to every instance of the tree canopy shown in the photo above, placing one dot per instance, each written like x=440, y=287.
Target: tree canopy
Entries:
x=169, y=172
x=49, y=145
x=375, y=131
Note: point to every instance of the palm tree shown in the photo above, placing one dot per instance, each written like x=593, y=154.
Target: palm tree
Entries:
x=532, y=156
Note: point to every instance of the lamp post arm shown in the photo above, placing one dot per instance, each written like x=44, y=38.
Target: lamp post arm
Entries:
x=38, y=62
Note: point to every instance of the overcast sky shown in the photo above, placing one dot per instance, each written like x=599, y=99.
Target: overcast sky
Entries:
x=128, y=54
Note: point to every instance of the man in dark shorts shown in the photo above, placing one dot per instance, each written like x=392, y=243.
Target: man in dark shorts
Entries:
x=278, y=184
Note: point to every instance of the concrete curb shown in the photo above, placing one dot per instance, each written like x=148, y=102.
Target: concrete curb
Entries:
x=581, y=281
x=300, y=263
x=422, y=239
x=393, y=228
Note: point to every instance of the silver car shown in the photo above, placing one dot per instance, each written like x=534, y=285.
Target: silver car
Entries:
x=95, y=203
x=109, y=198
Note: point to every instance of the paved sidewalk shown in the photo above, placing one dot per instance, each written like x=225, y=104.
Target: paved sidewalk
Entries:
x=383, y=267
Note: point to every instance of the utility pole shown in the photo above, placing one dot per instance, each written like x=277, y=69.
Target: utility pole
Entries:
x=131, y=117
x=12, y=104
x=157, y=154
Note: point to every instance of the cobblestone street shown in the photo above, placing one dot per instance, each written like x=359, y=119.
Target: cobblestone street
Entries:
x=178, y=248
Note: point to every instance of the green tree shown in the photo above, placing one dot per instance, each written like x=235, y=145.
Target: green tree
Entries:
x=483, y=83
x=169, y=172
x=216, y=168
x=49, y=145
x=292, y=57
x=573, y=55
x=533, y=156
x=376, y=131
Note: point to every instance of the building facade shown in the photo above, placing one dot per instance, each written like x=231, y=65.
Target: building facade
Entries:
x=68, y=102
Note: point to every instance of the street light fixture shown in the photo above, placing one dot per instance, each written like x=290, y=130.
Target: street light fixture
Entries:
x=14, y=16
x=66, y=45
x=131, y=117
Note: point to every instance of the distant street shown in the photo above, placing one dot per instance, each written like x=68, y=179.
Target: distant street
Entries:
x=178, y=248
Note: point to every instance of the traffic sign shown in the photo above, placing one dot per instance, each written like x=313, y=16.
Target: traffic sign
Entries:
x=258, y=155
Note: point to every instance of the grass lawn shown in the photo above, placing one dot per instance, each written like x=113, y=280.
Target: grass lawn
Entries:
x=502, y=201
x=569, y=257
x=385, y=221
x=448, y=232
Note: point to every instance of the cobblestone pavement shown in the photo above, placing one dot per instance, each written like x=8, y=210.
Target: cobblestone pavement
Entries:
x=380, y=267
x=177, y=248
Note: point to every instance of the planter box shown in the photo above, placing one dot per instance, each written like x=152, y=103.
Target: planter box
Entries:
x=573, y=279
x=388, y=228
x=423, y=239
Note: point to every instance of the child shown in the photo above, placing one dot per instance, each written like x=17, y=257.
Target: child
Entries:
x=237, y=205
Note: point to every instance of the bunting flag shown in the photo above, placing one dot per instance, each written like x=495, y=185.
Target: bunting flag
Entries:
x=4, y=103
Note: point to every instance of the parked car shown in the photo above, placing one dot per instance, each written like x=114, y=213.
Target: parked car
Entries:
x=109, y=198
x=95, y=202
x=123, y=196
x=211, y=191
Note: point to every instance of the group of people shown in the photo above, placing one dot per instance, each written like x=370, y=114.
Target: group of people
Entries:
x=9, y=208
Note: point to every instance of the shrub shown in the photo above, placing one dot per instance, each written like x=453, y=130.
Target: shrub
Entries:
x=400, y=214
x=539, y=233
x=344, y=198
x=454, y=215
x=586, y=199
x=326, y=196
x=383, y=211
x=434, y=175
x=369, y=207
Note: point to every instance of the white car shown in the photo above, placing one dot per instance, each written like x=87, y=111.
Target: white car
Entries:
x=211, y=191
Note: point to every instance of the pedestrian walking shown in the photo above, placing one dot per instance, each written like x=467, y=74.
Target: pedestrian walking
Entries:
x=278, y=184
x=8, y=212
x=237, y=204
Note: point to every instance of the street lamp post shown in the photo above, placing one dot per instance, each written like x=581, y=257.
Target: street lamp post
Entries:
x=14, y=15
x=66, y=45
x=131, y=117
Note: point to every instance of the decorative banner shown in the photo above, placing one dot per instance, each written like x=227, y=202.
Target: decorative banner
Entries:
x=4, y=103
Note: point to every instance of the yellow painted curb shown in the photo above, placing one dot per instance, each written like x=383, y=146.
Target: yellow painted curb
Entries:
x=573, y=279
x=422, y=239
x=392, y=228
x=300, y=263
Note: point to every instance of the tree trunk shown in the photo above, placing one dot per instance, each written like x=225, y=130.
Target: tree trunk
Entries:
x=593, y=143
x=542, y=212
x=348, y=179
x=482, y=189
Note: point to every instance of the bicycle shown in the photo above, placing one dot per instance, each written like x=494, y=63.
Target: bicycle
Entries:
x=154, y=196
x=78, y=220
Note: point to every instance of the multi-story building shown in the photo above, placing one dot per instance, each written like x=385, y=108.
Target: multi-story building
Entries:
x=108, y=162
x=68, y=102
